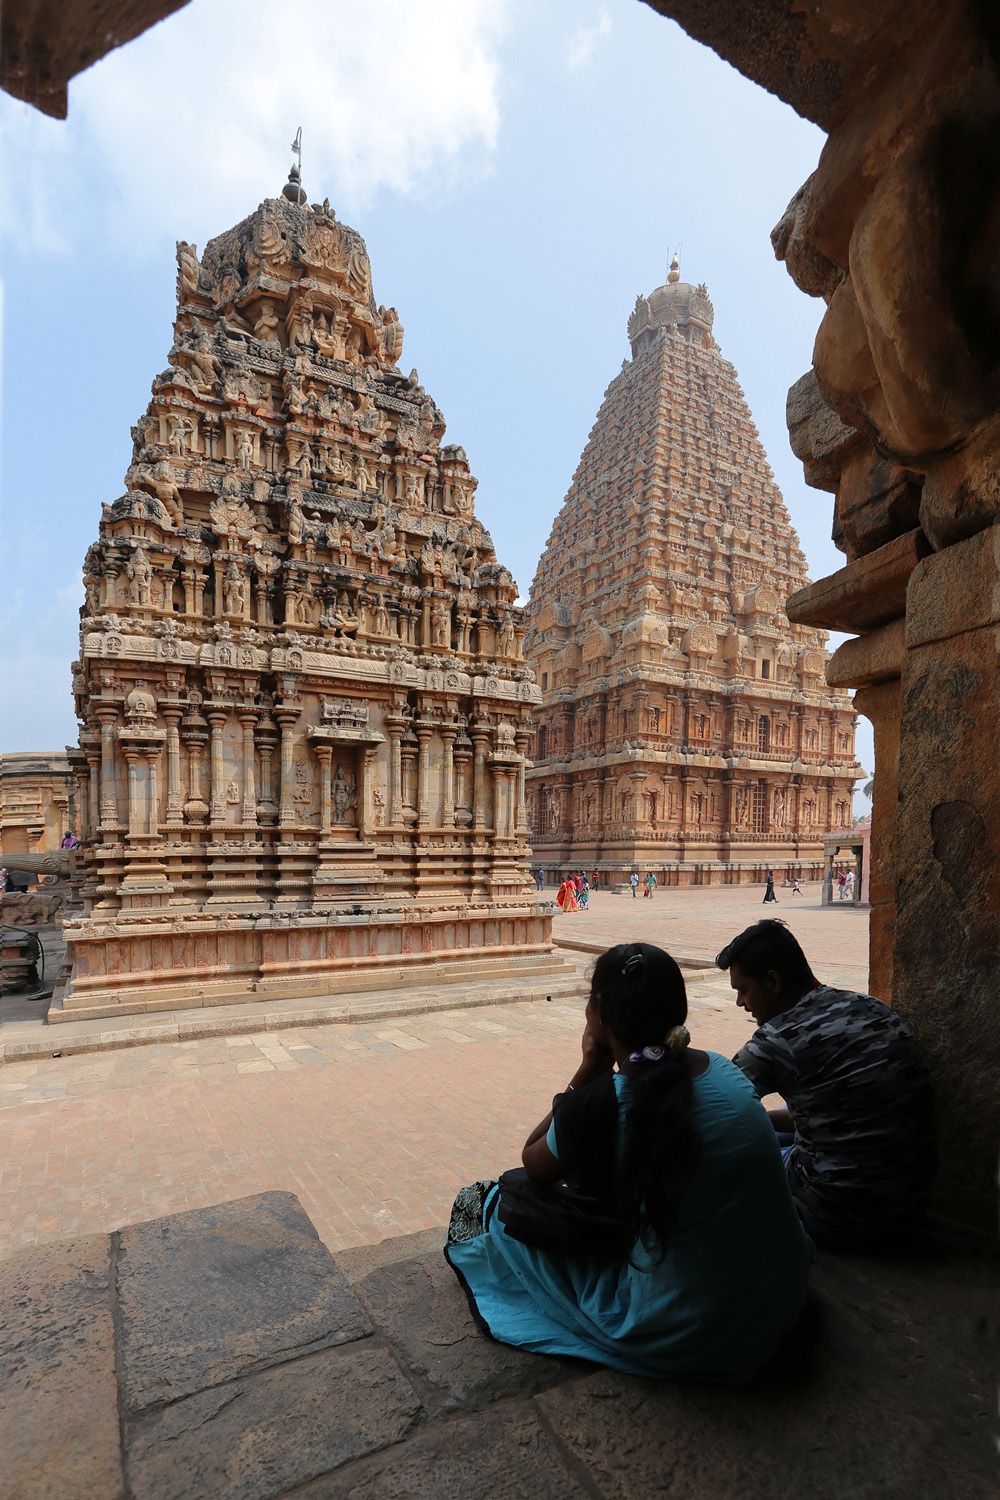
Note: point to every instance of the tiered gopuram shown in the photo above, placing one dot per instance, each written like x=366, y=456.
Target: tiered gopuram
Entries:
x=686, y=728
x=304, y=703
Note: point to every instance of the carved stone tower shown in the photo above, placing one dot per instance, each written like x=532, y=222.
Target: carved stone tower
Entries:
x=686, y=727
x=303, y=700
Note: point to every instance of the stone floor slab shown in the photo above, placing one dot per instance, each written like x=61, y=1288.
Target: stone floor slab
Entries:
x=216, y=1293
x=263, y=1435
x=420, y=1306
x=503, y=1454
x=880, y=1396
x=59, y=1436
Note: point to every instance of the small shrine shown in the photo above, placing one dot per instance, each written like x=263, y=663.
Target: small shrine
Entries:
x=303, y=701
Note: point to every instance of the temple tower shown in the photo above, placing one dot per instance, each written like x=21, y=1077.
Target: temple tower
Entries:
x=686, y=727
x=303, y=700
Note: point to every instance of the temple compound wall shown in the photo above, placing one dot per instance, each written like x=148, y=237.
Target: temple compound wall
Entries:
x=685, y=727
x=303, y=702
x=36, y=790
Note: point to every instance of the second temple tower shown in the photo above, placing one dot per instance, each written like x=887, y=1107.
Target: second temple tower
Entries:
x=686, y=727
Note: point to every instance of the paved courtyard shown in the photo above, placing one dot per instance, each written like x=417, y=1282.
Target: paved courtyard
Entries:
x=373, y=1126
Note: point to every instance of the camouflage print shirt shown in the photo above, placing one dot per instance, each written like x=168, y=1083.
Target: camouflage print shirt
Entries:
x=860, y=1099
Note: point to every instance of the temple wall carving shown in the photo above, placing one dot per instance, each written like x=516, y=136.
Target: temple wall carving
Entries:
x=686, y=725
x=303, y=698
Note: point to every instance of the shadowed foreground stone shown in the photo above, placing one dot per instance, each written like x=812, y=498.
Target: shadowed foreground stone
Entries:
x=58, y=1396
x=505, y=1454
x=216, y=1293
x=415, y=1305
x=258, y=1437
x=251, y=1366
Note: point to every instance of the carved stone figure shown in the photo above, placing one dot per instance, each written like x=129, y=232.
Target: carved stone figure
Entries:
x=344, y=795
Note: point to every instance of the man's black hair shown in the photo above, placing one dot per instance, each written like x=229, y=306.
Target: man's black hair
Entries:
x=765, y=946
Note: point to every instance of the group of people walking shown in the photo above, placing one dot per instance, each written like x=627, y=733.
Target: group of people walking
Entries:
x=662, y=1222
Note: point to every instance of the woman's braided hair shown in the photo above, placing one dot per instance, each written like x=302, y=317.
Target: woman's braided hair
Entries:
x=639, y=993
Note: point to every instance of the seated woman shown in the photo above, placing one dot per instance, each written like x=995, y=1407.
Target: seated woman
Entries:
x=660, y=1160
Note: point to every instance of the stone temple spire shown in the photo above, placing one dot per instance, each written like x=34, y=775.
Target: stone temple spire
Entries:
x=686, y=726
x=303, y=697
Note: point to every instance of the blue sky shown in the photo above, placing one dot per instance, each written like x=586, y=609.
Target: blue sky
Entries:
x=520, y=170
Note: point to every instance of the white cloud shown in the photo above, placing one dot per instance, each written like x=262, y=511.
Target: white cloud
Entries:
x=184, y=129
x=583, y=43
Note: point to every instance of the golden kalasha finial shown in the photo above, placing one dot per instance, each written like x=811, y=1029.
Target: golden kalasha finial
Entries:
x=674, y=273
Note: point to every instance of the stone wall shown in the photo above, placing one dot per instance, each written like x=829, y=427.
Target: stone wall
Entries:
x=898, y=231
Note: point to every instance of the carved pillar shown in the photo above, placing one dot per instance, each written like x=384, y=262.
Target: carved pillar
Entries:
x=324, y=754
x=424, y=732
x=521, y=740
x=152, y=794
x=94, y=793
x=217, y=720
x=366, y=760
x=172, y=715
x=448, y=733
x=194, y=734
x=287, y=715
x=463, y=755
x=480, y=735
x=394, y=725
x=136, y=810
x=109, y=800
x=248, y=720
x=267, y=738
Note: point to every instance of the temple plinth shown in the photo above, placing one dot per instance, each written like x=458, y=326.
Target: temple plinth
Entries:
x=686, y=726
x=302, y=693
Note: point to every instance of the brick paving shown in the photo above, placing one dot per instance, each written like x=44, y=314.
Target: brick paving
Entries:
x=374, y=1126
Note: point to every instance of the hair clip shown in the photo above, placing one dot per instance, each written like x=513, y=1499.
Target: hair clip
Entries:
x=632, y=964
x=648, y=1054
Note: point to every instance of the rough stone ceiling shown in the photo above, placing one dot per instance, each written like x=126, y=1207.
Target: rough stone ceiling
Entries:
x=45, y=43
x=818, y=56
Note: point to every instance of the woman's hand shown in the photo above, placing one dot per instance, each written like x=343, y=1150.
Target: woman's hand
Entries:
x=596, y=1047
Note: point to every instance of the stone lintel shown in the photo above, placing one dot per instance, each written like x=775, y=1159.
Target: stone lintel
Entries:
x=869, y=592
x=875, y=657
x=955, y=591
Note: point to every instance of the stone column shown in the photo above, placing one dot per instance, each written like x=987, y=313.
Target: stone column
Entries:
x=480, y=736
x=365, y=762
x=217, y=720
x=424, y=732
x=136, y=809
x=881, y=704
x=267, y=738
x=287, y=715
x=448, y=733
x=152, y=793
x=324, y=754
x=394, y=725
x=109, y=799
x=521, y=740
x=94, y=793
x=512, y=803
x=248, y=720
x=171, y=713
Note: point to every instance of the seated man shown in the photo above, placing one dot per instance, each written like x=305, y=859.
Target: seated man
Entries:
x=857, y=1091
